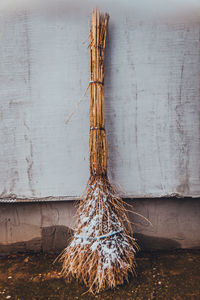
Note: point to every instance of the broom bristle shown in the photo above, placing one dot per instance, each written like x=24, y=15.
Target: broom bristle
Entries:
x=102, y=251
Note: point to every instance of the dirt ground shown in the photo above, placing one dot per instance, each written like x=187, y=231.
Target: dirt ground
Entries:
x=164, y=275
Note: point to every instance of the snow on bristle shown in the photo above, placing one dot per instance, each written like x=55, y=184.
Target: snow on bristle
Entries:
x=102, y=252
x=89, y=231
x=110, y=250
x=92, y=215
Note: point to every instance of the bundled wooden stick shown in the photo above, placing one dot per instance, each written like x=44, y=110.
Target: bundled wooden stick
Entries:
x=102, y=251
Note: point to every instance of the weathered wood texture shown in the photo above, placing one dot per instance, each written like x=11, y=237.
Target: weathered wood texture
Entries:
x=152, y=95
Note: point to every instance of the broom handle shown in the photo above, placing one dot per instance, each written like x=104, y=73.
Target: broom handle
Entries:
x=97, y=139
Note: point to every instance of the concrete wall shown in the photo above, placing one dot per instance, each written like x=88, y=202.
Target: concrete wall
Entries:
x=47, y=226
x=152, y=91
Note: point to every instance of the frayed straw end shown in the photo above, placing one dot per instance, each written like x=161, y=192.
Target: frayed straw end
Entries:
x=102, y=251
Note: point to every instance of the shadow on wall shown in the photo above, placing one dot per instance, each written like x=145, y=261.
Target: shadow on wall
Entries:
x=53, y=239
x=56, y=238
x=147, y=242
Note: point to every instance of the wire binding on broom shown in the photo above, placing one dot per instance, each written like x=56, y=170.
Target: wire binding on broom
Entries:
x=97, y=128
x=98, y=82
x=102, y=251
x=98, y=237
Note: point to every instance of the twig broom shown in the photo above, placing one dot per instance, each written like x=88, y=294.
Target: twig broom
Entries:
x=102, y=251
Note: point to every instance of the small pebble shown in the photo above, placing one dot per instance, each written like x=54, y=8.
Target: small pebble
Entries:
x=8, y=297
x=159, y=282
x=26, y=259
x=9, y=277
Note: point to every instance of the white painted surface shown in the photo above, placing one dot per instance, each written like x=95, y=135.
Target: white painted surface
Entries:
x=152, y=90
